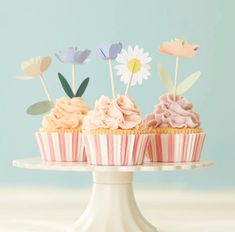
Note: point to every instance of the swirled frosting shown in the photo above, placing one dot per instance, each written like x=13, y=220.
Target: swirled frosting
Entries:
x=118, y=113
x=67, y=114
x=170, y=113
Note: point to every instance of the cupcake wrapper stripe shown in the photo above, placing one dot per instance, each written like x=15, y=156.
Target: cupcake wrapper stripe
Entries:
x=65, y=146
x=175, y=147
x=115, y=149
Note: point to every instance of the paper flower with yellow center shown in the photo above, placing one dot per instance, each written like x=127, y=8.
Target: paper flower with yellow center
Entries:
x=133, y=65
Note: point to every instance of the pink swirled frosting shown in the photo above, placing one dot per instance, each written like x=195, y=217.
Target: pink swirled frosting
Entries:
x=170, y=113
x=67, y=114
x=118, y=113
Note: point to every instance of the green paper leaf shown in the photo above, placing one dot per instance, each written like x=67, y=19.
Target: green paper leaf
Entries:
x=66, y=86
x=187, y=83
x=165, y=78
x=82, y=87
x=40, y=108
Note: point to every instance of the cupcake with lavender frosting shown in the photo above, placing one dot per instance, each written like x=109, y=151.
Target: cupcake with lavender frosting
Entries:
x=175, y=132
x=175, y=129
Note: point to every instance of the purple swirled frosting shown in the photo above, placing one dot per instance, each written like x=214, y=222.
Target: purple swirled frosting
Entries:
x=170, y=113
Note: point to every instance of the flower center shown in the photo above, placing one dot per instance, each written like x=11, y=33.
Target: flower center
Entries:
x=134, y=65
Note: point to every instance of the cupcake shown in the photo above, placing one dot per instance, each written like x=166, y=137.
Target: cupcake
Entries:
x=60, y=138
x=175, y=129
x=113, y=133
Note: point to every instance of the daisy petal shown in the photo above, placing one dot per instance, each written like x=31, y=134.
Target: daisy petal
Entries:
x=135, y=51
x=145, y=77
x=145, y=71
x=139, y=79
x=130, y=52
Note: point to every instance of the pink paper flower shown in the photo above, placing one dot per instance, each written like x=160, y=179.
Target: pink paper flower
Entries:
x=179, y=47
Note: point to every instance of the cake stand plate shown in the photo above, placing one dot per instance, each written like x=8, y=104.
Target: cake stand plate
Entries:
x=112, y=206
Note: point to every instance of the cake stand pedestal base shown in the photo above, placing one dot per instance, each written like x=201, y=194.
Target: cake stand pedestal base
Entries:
x=112, y=207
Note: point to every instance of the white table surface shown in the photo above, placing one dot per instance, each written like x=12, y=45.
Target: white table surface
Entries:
x=171, y=210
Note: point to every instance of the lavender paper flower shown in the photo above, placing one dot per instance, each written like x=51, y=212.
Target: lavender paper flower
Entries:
x=73, y=56
x=109, y=51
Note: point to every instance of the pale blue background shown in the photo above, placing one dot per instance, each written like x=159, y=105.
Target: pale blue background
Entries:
x=30, y=28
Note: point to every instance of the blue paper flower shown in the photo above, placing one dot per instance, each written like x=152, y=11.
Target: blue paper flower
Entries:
x=109, y=51
x=73, y=56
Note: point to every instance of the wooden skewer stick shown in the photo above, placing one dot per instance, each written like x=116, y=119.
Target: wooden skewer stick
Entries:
x=176, y=76
x=45, y=87
x=74, y=78
x=130, y=80
x=112, y=79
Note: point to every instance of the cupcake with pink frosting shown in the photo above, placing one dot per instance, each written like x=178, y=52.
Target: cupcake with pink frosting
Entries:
x=113, y=131
x=175, y=128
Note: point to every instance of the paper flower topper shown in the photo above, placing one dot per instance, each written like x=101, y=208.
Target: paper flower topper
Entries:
x=108, y=51
x=178, y=48
x=74, y=57
x=34, y=68
x=133, y=66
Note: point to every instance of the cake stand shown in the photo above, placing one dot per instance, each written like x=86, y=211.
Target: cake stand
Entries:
x=112, y=206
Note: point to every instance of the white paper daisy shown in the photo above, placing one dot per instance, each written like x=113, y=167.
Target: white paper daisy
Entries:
x=133, y=65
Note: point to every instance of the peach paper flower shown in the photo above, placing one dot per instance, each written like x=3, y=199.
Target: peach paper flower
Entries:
x=36, y=66
x=179, y=47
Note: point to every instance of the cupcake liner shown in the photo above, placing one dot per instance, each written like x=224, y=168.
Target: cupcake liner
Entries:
x=113, y=149
x=63, y=146
x=175, y=147
x=106, y=131
x=172, y=130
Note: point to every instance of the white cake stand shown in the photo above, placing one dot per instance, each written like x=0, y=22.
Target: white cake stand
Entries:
x=112, y=207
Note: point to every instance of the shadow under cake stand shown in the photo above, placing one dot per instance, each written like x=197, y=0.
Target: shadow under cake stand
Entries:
x=112, y=206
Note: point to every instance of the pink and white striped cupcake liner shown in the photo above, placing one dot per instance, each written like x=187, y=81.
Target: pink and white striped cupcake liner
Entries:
x=61, y=146
x=175, y=147
x=114, y=149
